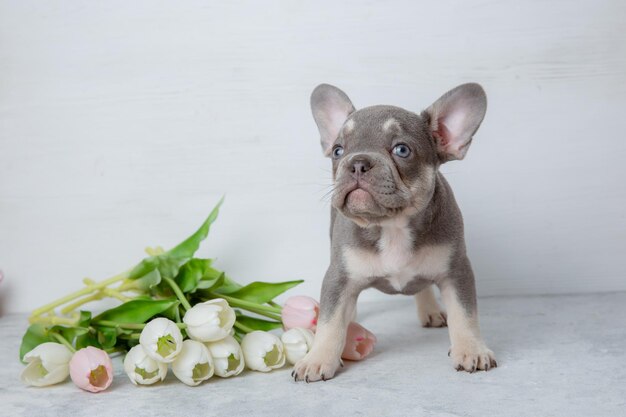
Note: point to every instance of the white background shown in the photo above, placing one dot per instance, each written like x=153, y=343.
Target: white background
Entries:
x=122, y=123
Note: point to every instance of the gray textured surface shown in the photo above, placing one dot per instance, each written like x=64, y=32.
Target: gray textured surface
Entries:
x=558, y=356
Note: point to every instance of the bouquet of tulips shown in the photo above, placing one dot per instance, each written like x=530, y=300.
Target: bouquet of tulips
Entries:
x=176, y=310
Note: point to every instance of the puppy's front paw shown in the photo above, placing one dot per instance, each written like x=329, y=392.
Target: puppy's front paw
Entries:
x=433, y=318
x=472, y=356
x=315, y=367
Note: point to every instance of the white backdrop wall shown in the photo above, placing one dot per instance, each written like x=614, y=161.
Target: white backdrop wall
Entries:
x=122, y=123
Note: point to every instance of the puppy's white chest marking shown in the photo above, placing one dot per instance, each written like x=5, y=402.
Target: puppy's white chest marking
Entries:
x=396, y=260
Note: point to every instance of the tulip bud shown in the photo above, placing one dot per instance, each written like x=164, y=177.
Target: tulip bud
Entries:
x=91, y=369
x=142, y=369
x=262, y=351
x=48, y=364
x=300, y=311
x=209, y=321
x=193, y=364
x=227, y=357
x=161, y=339
x=359, y=342
x=297, y=342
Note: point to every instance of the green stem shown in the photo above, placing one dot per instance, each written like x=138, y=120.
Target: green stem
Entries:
x=276, y=317
x=268, y=315
x=63, y=341
x=132, y=336
x=248, y=305
x=53, y=320
x=273, y=304
x=87, y=290
x=78, y=303
x=156, y=251
x=109, y=292
x=243, y=328
x=178, y=292
x=130, y=285
x=256, y=310
x=131, y=326
x=107, y=323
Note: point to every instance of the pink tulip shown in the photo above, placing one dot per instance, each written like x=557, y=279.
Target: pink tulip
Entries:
x=91, y=369
x=300, y=311
x=359, y=342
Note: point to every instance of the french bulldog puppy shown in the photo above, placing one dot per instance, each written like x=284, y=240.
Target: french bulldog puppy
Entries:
x=395, y=224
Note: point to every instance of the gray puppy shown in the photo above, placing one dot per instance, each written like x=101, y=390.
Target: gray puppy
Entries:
x=395, y=224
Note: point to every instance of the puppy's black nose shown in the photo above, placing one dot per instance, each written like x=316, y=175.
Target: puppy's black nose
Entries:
x=361, y=166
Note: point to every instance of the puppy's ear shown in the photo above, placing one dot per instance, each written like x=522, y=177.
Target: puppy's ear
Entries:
x=331, y=107
x=454, y=119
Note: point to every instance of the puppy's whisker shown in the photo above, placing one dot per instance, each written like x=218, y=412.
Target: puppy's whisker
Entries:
x=327, y=196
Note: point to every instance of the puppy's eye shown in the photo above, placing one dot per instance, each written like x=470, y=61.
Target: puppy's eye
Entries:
x=401, y=150
x=337, y=152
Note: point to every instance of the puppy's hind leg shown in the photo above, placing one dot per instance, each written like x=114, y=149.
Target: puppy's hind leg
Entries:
x=429, y=311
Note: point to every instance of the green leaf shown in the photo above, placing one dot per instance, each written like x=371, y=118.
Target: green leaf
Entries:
x=69, y=333
x=148, y=281
x=136, y=311
x=107, y=337
x=263, y=292
x=153, y=268
x=211, y=281
x=189, y=246
x=170, y=265
x=85, y=318
x=173, y=313
x=88, y=339
x=35, y=335
x=144, y=297
x=191, y=273
x=164, y=265
x=144, y=267
x=258, y=324
x=228, y=286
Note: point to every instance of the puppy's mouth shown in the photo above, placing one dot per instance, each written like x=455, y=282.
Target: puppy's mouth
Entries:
x=358, y=199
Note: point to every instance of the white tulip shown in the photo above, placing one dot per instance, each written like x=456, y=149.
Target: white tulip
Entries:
x=194, y=364
x=297, y=342
x=262, y=351
x=161, y=339
x=48, y=364
x=142, y=369
x=209, y=321
x=227, y=356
